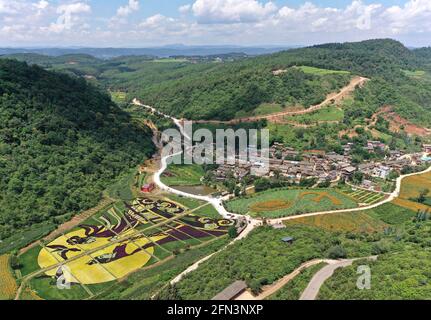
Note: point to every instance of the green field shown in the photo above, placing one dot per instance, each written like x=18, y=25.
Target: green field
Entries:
x=331, y=113
x=183, y=175
x=291, y=202
x=320, y=72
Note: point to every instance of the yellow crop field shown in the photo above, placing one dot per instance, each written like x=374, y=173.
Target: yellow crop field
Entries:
x=321, y=195
x=271, y=205
x=348, y=222
x=8, y=286
x=412, y=186
x=415, y=206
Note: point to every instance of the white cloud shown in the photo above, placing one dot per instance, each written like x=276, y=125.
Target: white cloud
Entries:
x=213, y=21
x=132, y=6
x=69, y=16
x=415, y=15
x=232, y=11
x=185, y=8
x=41, y=5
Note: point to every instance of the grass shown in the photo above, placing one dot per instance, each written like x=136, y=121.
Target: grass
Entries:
x=330, y=113
x=320, y=72
x=186, y=202
x=122, y=189
x=302, y=201
x=22, y=238
x=391, y=214
x=294, y=288
x=418, y=74
x=28, y=261
x=118, y=96
x=208, y=211
x=268, y=108
x=183, y=175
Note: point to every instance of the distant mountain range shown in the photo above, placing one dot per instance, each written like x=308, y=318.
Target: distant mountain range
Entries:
x=162, y=52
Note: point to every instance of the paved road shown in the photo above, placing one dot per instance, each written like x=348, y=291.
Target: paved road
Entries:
x=392, y=197
x=313, y=288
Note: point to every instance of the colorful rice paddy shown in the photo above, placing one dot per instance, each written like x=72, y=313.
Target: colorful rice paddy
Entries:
x=285, y=202
x=114, y=243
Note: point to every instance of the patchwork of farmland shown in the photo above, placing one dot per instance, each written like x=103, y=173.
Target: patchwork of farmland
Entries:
x=114, y=243
x=285, y=202
x=411, y=190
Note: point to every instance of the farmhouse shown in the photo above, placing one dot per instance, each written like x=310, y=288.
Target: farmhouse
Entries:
x=231, y=292
x=148, y=188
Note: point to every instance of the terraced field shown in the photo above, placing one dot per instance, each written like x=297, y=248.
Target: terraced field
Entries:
x=285, y=202
x=364, y=196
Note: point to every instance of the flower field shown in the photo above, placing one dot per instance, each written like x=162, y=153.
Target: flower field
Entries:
x=8, y=286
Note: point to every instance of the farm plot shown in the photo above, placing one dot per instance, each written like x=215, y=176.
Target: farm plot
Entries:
x=183, y=175
x=411, y=190
x=116, y=243
x=364, y=196
x=8, y=286
x=285, y=202
x=345, y=222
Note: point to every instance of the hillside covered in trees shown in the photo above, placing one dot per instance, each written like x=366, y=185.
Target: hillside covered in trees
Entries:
x=207, y=90
x=61, y=142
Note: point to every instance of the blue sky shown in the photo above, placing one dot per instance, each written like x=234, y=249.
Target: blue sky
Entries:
x=138, y=23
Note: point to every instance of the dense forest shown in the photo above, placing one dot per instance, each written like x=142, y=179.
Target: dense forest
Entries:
x=62, y=142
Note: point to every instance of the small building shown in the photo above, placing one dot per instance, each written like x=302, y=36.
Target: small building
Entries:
x=231, y=292
x=288, y=240
x=426, y=148
x=148, y=188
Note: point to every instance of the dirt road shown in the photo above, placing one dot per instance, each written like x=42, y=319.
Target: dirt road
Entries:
x=278, y=117
x=335, y=97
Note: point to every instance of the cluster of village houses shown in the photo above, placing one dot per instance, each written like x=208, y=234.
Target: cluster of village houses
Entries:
x=325, y=166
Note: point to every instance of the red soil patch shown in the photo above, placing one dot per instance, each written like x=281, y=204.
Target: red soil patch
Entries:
x=397, y=122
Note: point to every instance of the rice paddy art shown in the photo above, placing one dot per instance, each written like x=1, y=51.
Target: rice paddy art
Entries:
x=122, y=242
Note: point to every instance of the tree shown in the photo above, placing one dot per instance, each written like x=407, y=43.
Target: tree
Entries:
x=233, y=232
x=337, y=252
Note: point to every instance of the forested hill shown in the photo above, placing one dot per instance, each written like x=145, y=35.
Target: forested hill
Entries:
x=221, y=91
x=61, y=143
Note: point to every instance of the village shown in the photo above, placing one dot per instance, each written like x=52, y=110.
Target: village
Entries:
x=329, y=167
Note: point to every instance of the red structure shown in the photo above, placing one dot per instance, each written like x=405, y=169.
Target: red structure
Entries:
x=148, y=188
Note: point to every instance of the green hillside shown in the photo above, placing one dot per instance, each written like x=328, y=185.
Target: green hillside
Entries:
x=61, y=143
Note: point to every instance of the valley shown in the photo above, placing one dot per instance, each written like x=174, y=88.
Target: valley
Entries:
x=90, y=201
